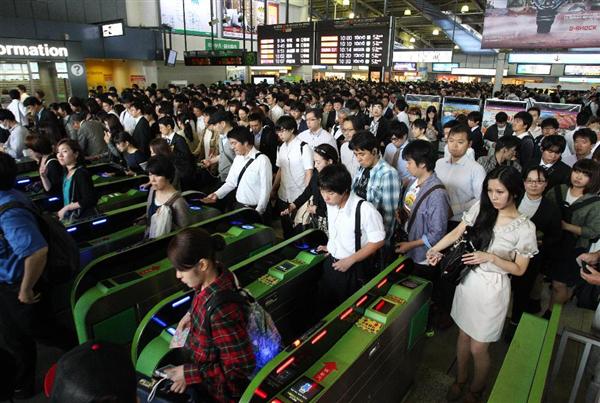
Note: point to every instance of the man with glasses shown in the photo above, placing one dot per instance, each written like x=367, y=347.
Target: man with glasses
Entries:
x=349, y=128
x=315, y=134
x=557, y=172
x=393, y=151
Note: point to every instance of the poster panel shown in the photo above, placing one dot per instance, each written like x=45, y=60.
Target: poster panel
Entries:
x=566, y=114
x=454, y=106
x=232, y=15
x=423, y=101
x=493, y=106
x=197, y=16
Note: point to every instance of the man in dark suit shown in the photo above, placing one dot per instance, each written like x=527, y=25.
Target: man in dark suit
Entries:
x=265, y=139
x=380, y=126
x=183, y=159
x=498, y=129
x=141, y=134
x=45, y=118
x=338, y=103
x=362, y=119
x=297, y=110
x=388, y=110
x=557, y=171
x=476, y=137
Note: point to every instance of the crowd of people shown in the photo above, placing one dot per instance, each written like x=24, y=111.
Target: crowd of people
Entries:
x=347, y=157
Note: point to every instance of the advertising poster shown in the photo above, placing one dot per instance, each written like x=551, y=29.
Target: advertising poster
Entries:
x=454, y=106
x=197, y=16
x=541, y=24
x=493, y=106
x=566, y=114
x=232, y=14
x=423, y=101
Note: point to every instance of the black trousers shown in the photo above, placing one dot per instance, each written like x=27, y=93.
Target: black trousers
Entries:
x=287, y=225
x=522, y=286
x=336, y=286
x=21, y=325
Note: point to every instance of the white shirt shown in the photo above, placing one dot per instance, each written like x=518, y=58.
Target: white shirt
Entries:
x=319, y=137
x=571, y=159
x=255, y=186
x=463, y=180
x=349, y=159
x=570, y=140
x=569, y=198
x=388, y=155
x=340, y=224
x=529, y=207
x=536, y=132
x=403, y=117
x=18, y=109
x=15, y=144
x=293, y=163
x=275, y=113
x=128, y=121
x=470, y=153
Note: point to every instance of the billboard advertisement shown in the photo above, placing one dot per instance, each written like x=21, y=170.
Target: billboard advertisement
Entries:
x=454, y=106
x=197, y=16
x=493, y=106
x=255, y=16
x=578, y=70
x=566, y=114
x=534, y=69
x=423, y=101
x=541, y=24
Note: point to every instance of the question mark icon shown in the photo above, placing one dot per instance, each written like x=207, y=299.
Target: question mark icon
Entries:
x=77, y=69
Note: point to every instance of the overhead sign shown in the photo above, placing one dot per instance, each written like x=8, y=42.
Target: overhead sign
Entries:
x=286, y=44
x=112, y=29
x=220, y=44
x=361, y=42
x=540, y=24
x=466, y=71
x=424, y=56
x=534, y=69
x=40, y=50
x=405, y=67
x=197, y=16
x=444, y=67
x=554, y=58
x=576, y=70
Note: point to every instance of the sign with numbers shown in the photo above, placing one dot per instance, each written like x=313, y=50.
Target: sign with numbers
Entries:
x=286, y=44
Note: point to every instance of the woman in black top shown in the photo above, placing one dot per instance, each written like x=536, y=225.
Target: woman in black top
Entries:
x=79, y=195
x=132, y=156
x=51, y=172
x=324, y=155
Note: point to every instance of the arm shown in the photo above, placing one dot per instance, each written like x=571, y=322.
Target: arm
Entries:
x=437, y=218
x=516, y=268
x=306, y=194
x=390, y=199
x=450, y=238
x=477, y=184
x=33, y=268
x=230, y=183
x=266, y=183
x=276, y=181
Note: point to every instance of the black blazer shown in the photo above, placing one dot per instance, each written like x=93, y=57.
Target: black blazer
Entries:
x=477, y=145
x=389, y=114
x=183, y=159
x=547, y=220
x=383, y=133
x=491, y=133
x=558, y=174
x=302, y=126
x=268, y=144
x=47, y=118
x=82, y=190
x=330, y=119
x=142, y=136
x=313, y=190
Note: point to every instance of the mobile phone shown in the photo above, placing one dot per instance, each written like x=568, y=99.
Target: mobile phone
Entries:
x=161, y=372
x=584, y=266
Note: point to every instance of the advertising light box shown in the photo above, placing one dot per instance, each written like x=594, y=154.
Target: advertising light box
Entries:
x=534, y=69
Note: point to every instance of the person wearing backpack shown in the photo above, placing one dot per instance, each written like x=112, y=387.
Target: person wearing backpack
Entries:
x=24, y=311
x=220, y=345
x=167, y=210
x=580, y=207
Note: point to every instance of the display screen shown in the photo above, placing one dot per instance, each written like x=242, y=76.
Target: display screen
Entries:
x=566, y=114
x=578, y=70
x=444, y=67
x=285, y=266
x=171, y=57
x=283, y=44
x=423, y=56
x=405, y=66
x=534, y=69
x=362, y=42
x=270, y=80
x=554, y=58
x=234, y=13
x=540, y=24
x=197, y=16
x=466, y=71
x=303, y=390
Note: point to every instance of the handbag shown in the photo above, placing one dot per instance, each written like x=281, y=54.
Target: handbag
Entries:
x=302, y=216
x=161, y=222
x=452, y=267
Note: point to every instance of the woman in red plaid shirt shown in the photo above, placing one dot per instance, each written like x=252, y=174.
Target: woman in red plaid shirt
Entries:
x=224, y=362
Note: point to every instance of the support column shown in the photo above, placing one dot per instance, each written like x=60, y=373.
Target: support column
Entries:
x=500, y=66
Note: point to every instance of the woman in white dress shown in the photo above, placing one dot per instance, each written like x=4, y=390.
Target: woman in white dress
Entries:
x=505, y=241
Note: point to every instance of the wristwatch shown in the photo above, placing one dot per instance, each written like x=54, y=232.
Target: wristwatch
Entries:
x=546, y=12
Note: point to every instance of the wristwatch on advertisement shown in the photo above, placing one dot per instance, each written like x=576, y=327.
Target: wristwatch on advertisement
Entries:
x=546, y=12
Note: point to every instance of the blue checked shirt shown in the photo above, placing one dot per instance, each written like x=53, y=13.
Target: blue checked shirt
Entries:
x=383, y=191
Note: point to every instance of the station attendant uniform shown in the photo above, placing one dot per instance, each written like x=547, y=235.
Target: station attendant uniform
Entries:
x=481, y=300
x=335, y=285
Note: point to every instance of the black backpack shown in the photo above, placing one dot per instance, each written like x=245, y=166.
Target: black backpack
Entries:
x=62, y=262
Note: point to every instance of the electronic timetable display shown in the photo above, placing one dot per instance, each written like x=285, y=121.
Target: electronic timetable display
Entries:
x=286, y=44
x=360, y=42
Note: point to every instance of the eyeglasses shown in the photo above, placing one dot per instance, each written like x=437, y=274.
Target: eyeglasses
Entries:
x=533, y=182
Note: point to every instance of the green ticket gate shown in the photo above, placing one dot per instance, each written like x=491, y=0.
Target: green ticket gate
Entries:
x=117, y=229
x=114, y=292
x=365, y=350
x=282, y=278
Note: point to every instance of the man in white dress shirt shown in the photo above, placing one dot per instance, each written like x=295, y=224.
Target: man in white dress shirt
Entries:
x=275, y=111
x=584, y=140
x=315, y=134
x=250, y=175
x=17, y=108
x=349, y=128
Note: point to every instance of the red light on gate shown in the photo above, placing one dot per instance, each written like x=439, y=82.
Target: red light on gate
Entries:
x=260, y=393
x=319, y=336
x=285, y=365
x=362, y=300
x=276, y=401
x=379, y=305
x=382, y=283
x=400, y=268
x=346, y=313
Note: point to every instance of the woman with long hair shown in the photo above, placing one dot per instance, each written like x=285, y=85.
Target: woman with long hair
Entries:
x=51, y=172
x=504, y=240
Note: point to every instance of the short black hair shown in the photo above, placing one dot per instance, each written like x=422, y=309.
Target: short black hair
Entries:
x=398, y=129
x=78, y=117
x=461, y=129
x=38, y=144
x=363, y=140
x=401, y=104
x=287, y=123
x=582, y=118
x=421, y=152
x=137, y=104
x=335, y=178
x=525, y=117
x=241, y=134
x=161, y=165
x=507, y=142
x=166, y=121
x=356, y=122
x=420, y=124
x=535, y=108
x=122, y=137
x=14, y=94
x=586, y=133
x=5, y=114
x=316, y=112
x=297, y=106
x=475, y=116
x=8, y=171
x=501, y=117
x=550, y=122
x=555, y=141
x=537, y=168
x=30, y=101
x=450, y=124
x=256, y=117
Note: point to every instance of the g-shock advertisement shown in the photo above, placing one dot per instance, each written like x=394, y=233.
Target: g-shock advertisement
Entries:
x=541, y=24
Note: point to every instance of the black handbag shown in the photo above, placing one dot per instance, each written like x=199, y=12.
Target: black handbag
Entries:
x=452, y=267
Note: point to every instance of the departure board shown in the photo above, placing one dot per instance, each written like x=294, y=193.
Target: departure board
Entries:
x=286, y=44
x=359, y=42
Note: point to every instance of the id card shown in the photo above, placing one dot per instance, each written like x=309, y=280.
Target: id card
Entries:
x=179, y=338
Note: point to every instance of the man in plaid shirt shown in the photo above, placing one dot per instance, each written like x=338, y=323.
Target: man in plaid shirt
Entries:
x=224, y=362
x=376, y=181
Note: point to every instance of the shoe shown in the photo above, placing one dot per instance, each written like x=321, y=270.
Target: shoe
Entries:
x=509, y=333
x=455, y=391
x=473, y=397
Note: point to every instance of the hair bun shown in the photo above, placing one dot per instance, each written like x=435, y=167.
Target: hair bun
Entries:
x=218, y=242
